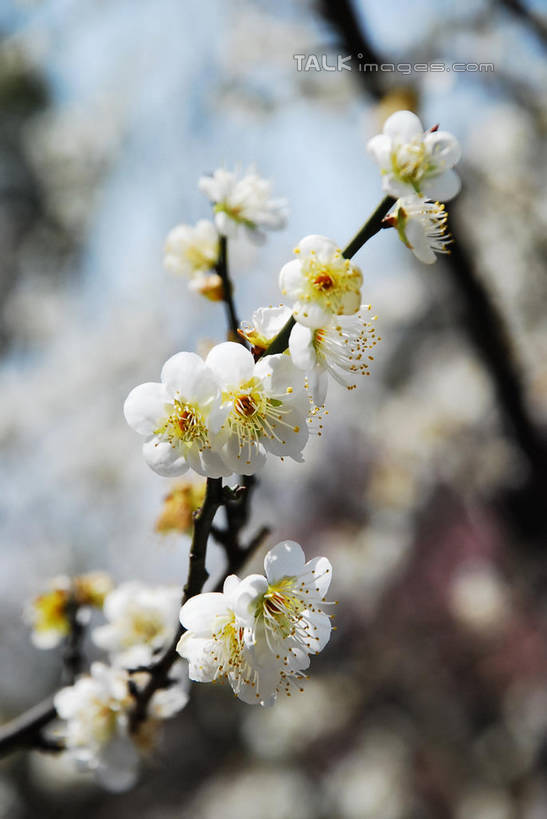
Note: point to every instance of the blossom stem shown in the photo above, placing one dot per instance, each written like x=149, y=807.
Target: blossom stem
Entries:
x=197, y=575
x=72, y=656
x=371, y=227
x=227, y=289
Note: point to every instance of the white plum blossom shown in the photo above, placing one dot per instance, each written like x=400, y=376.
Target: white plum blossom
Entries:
x=259, y=632
x=341, y=349
x=243, y=202
x=141, y=622
x=265, y=324
x=416, y=162
x=173, y=416
x=192, y=250
x=320, y=282
x=96, y=734
x=285, y=609
x=216, y=647
x=421, y=225
x=264, y=407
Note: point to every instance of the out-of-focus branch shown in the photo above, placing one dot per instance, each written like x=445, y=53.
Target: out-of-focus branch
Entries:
x=72, y=656
x=535, y=22
x=25, y=731
x=353, y=38
x=480, y=318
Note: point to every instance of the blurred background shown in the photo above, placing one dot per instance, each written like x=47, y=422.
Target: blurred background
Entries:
x=428, y=489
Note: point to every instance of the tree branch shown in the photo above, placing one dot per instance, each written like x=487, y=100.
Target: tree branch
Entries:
x=228, y=288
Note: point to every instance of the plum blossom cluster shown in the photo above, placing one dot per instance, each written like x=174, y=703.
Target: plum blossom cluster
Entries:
x=239, y=201
x=258, y=633
x=225, y=414
x=96, y=713
x=417, y=170
x=141, y=622
x=222, y=415
x=50, y=614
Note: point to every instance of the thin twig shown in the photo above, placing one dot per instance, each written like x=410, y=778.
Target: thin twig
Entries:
x=197, y=575
x=227, y=291
x=25, y=730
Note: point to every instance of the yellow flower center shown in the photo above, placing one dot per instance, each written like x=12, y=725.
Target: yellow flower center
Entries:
x=184, y=425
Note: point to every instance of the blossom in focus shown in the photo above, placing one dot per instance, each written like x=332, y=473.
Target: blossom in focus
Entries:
x=218, y=649
x=416, y=162
x=141, y=623
x=192, y=250
x=341, y=349
x=265, y=324
x=287, y=605
x=185, y=498
x=49, y=614
x=173, y=416
x=96, y=710
x=421, y=226
x=259, y=632
x=320, y=282
x=263, y=410
x=244, y=201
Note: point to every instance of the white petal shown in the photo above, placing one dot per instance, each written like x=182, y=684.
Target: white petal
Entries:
x=270, y=320
x=395, y=187
x=320, y=246
x=229, y=589
x=118, y=765
x=415, y=234
x=225, y=225
x=232, y=363
x=403, y=126
x=444, y=148
x=248, y=592
x=320, y=631
x=292, y=438
x=200, y=612
x=197, y=650
x=350, y=302
x=286, y=559
x=164, y=458
x=322, y=574
x=278, y=374
x=213, y=465
x=187, y=375
x=301, y=347
x=443, y=187
x=245, y=461
x=145, y=406
x=318, y=381
x=380, y=148
x=291, y=280
x=311, y=314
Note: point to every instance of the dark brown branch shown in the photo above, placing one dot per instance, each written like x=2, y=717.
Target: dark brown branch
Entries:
x=353, y=38
x=72, y=655
x=197, y=575
x=227, y=291
x=535, y=22
x=25, y=730
x=481, y=320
